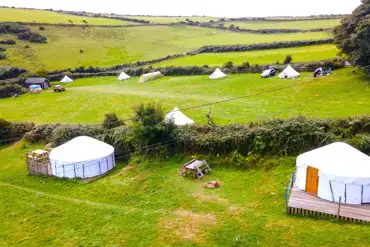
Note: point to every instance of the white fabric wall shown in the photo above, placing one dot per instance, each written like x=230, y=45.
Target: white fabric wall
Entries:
x=350, y=193
x=86, y=169
x=366, y=194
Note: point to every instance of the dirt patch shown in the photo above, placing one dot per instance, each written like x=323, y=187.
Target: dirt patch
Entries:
x=200, y=194
x=127, y=169
x=186, y=225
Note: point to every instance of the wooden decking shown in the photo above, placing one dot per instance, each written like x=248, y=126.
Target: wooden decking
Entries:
x=303, y=203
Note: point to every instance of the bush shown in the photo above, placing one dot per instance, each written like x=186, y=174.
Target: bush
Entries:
x=111, y=121
x=10, y=130
x=41, y=28
x=228, y=64
x=32, y=37
x=42, y=73
x=2, y=56
x=9, y=90
x=288, y=59
x=7, y=42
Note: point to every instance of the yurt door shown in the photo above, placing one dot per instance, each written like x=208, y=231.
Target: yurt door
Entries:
x=312, y=180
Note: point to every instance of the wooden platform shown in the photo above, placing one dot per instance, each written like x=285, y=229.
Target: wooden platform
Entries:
x=303, y=203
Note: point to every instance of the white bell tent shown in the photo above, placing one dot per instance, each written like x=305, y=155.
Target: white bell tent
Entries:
x=150, y=76
x=217, y=74
x=289, y=73
x=335, y=172
x=66, y=79
x=82, y=157
x=178, y=117
x=123, y=76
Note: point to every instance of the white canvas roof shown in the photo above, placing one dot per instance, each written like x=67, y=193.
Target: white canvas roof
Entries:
x=266, y=73
x=123, y=76
x=178, y=117
x=289, y=72
x=81, y=149
x=217, y=74
x=338, y=161
x=66, y=79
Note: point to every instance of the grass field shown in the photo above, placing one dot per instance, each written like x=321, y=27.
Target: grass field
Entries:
x=301, y=25
x=43, y=16
x=87, y=100
x=146, y=203
x=299, y=54
x=111, y=46
x=172, y=19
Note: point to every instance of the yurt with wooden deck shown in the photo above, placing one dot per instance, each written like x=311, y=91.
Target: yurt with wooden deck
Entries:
x=336, y=172
x=82, y=157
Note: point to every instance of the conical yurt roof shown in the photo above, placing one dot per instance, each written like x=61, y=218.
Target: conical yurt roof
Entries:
x=178, y=117
x=66, y=79
x=217, y=74
x=81, y=149
x=123, y=76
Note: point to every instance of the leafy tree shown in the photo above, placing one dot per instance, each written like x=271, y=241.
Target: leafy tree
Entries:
x=221, y=25
x=232, y=26
x=288, y=59
x=84, y=21
x=42, y=73
x=353, y=35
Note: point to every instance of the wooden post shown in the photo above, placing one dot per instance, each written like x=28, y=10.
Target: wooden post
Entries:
x=340, y=201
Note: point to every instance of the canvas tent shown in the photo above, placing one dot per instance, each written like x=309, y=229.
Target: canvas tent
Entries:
x=82, y=157
x=178, y=117
x=217, y=74
x=289, y=72
x=123, y=76
x=335, y=171
x=150, y=76
x=268, y=72
x=66, y=79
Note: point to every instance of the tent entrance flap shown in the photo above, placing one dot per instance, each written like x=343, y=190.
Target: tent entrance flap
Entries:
x=312, y=180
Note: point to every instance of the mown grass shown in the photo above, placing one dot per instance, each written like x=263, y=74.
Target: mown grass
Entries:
x=87, y=100
x=111, y=46
x=43, y=16
x=301, y=25
x=145, y=203
x=299, y=54
x=172, y=19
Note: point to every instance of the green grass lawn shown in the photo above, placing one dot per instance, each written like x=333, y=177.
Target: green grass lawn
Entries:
x=87, y=100
x=111, y=46
x=172, y=19
x=43, y=16
x=299, y=54
x=145, y=203
x=301, y=25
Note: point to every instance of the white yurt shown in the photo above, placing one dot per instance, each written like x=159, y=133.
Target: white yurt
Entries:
x=123, y=76
x=150, y=76
x=66, y=79
x=335, y=172
x=178, y=117
x=82, y=157
x=217, y=74
x=289, y=72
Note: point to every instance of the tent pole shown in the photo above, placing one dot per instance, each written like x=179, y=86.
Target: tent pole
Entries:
x=340, y=200
x=331, y=189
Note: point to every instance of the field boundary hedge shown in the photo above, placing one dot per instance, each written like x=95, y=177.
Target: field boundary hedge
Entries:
x=80, y=25
x=273, y=137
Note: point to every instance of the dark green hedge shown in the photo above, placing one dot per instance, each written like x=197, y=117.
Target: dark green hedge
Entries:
x=10, y=90
x=275, y=137
x=10, y=131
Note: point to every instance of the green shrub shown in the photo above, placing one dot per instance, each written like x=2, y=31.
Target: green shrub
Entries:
x=10, y=130
x=111, y=121
x=288, y=59
x=7, y=42
x=2, y=56
x=9, y=90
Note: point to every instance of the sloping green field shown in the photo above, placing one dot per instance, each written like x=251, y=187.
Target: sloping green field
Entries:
x=87, y=100
x=301, y=25
x=43, y=16
x=299, y=54
x=111, y=46
x=172, y=19
x=147, y=204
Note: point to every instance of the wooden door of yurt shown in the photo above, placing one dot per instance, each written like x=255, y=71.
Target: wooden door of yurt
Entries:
x=312, y=180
